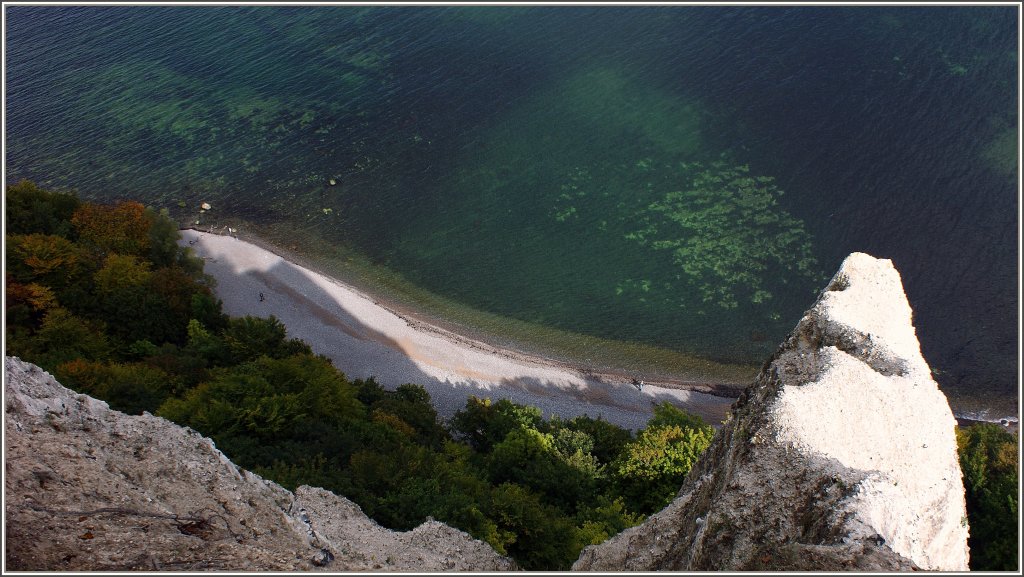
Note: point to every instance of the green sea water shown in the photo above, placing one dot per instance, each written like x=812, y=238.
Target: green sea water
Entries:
x=654, y=189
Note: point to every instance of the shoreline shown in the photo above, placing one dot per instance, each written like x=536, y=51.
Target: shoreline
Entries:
x=366, y=336
x=427, y=324
x=480, y=339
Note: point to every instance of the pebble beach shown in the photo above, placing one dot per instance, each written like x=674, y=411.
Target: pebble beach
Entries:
x=365, y=338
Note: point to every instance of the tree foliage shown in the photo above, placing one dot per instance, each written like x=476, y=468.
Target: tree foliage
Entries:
x=989, y=462
x=30, y=209
x=123, y=228
x=651, y=468
x=128, y=387
x=106, y=299
x=484, y=424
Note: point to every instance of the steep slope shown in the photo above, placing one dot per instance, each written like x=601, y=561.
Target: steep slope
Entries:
x=840, y=456
x=90, y=489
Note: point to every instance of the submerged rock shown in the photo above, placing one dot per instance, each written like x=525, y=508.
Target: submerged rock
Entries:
x=841, y=455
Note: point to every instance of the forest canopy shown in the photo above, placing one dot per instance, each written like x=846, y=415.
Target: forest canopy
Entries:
x=105, y=298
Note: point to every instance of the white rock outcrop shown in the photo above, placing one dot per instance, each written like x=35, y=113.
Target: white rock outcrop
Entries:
x=91, y=489
x=841, y=455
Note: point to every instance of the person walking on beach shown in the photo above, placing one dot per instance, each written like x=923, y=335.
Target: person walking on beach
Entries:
x=262, y=298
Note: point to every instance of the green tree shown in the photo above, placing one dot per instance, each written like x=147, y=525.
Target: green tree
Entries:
x=544, y=537
x=265, y=410
x=62, y=337
x=666, y=415
x=128, y=387
x=604, y=518
x=651, y=468
x=989, y=461
x=203, y=344
x=483, y=423
x=411, y=404
x=163, y=242
x=127, y=302
x=530, y=458
x=29, y=209
x=464, y=495
x=609, y=440
x=249, y=337
x=176, y=293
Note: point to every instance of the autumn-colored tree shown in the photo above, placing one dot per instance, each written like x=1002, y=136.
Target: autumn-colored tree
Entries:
x=56, y=263
x=81, y=375
x=26, y=305
x=123, y=228
x=48, y=259
x=35, y=299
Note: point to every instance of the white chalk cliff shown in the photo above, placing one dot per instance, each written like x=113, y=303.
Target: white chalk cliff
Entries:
x=841, y=456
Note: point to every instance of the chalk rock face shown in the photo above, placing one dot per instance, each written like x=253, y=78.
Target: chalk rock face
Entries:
x=88, y=488
x=840, y=456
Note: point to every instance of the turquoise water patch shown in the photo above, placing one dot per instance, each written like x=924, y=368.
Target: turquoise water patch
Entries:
x=586, y=207
x=678, y=177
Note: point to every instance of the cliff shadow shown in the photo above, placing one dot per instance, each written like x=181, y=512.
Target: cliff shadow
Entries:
x=364, y=339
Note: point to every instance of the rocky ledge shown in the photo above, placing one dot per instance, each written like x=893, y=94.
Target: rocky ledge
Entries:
x=841, y=455
x=92, y=489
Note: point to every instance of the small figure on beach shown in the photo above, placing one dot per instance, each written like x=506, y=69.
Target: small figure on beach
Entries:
x=262, y=298
x=638, y=384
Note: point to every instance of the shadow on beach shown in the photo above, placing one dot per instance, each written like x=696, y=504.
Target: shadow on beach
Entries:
x=328, y=315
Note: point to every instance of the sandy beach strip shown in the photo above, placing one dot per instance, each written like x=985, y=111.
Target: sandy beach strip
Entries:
x=364, y=338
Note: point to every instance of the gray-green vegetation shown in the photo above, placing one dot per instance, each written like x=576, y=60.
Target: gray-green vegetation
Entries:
x=605, y=212
x=719, y=230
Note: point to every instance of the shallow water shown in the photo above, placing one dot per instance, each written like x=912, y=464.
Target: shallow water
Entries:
x=681, y=178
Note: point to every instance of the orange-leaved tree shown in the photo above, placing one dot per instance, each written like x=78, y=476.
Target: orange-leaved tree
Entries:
x=123, y=228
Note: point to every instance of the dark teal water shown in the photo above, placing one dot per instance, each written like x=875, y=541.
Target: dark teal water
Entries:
x=685, y=177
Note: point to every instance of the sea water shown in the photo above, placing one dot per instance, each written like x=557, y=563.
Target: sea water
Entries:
x=668, y=178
